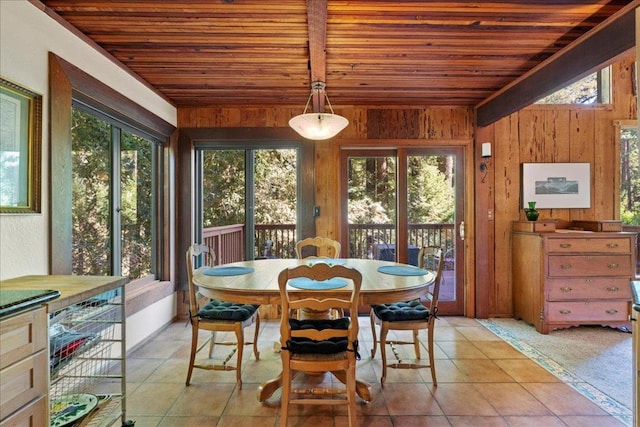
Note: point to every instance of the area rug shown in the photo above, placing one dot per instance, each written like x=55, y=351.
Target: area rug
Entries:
x=594, y=360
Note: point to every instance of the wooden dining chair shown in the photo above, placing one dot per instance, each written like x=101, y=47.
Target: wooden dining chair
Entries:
x=325, y=248
x=409, y=316
x=218, y=316
x=319, y=345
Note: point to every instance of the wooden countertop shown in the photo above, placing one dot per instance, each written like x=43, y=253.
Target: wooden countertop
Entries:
x=73, y=289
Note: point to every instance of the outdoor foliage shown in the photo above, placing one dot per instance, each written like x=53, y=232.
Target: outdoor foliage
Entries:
x=372, y=187
x=630, y=176
x=223, y=187
x=92, y=224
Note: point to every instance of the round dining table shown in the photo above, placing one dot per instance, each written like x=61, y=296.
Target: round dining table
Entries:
x=256, y=282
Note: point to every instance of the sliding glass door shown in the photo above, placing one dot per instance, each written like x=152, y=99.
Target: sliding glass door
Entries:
x=413, y=196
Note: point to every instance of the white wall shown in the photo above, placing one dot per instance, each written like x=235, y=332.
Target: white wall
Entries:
x=26, y=36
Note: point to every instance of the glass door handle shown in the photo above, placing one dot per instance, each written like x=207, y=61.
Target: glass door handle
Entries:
x=461, y=230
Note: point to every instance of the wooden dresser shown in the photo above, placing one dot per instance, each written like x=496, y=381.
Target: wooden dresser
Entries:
x=567, y=278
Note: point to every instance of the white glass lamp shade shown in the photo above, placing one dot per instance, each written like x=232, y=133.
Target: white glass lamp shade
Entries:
x=318, y=126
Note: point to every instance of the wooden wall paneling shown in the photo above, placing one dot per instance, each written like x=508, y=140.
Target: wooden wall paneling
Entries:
x=327, y=186
x=483, y=230
x=555, y=134
x=581, y=145
x=506, y=161
x=393, y=123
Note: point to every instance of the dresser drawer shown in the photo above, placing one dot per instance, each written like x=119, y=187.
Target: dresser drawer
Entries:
x=589, y=265
x=608, y=245
x=22, y=335
x=588, y=288
x=23, y=382
x=588, y=311
x=32, y=415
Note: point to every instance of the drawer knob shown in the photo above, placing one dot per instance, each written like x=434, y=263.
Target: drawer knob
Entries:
x=613, y=265
x=565, y=245
x=566, y=289
x=565, y=311
x=567, y=266
x=613, y=289
x=612, y=245
x=611, y=311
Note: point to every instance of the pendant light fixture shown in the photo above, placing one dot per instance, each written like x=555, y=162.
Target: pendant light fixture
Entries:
x=318, y=125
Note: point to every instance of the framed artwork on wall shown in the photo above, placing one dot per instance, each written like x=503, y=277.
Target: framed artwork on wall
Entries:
x=20, y=148
x=556, y=185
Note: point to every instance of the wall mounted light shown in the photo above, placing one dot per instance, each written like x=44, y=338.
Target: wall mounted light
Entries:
x=486, y=156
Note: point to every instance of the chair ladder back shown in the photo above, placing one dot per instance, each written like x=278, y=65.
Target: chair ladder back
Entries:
x=208, y=258
x=325, y=247
x=323, y=301
x=436, y=254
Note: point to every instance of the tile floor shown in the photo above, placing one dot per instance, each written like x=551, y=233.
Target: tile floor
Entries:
x=482, y=381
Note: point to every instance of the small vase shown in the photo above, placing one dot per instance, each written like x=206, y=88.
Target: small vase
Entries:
x=531, y=213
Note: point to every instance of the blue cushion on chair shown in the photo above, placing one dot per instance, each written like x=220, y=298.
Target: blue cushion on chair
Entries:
x=398, y=311
x=223, y=310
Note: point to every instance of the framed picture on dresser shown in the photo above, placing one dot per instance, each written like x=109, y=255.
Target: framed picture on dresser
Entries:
x=556, y=185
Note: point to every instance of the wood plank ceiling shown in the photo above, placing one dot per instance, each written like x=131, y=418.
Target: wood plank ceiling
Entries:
x=378, y=52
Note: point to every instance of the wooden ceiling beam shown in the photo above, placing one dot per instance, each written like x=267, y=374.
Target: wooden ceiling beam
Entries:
x=317, y=21
x=596, y=49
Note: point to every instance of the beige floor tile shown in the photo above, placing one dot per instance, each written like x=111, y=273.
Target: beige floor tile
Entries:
x=533, y=421
x=562, y=399
x=477, y=333
x=206, y=400
x=481, y=421
x=498, y=350
x=249, y=421
x=368, y=421
x=461, y=350
x=511, y=399
x=482, y=381
x=187, y=421
x=482, y=370
x=446, y=372
x=447, y=333
x=420, y=421
x=461, y=399
x=526, y=371
x=142, y=421
x=410, y=399
x=153, y=398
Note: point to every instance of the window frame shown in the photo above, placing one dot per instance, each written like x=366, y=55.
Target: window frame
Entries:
x=69, y=84
x=193, y=139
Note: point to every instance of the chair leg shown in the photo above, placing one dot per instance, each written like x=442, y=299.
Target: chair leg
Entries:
x=383, y=351
x=194, y=348
x=256, y=353
x=416, y=343
x=240, y=344
x=286, y=394
x=432, y=364
x=373, y=333
x=351, y=393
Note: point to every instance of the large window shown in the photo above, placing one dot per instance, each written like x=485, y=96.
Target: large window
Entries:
x=113, y=198
x=109, y=196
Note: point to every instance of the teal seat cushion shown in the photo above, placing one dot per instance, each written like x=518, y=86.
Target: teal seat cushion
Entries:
x=223, y=310
x=399, y=311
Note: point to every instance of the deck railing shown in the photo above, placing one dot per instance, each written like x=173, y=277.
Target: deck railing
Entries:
x=278, y=240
